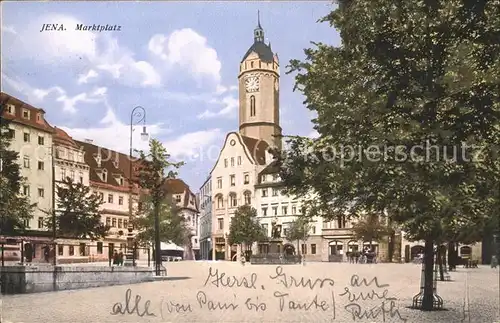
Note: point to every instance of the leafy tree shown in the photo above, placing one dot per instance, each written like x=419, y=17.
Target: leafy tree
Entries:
x=369, y=228
x=155, y=168
x=15, y=208
x=412, y=81
x=173, y=227
x=299, y=230
x=245, y=227
x=78, y=212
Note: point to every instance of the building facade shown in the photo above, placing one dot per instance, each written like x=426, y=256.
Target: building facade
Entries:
x=108, y=177
x=205, y=222
x=186, y=202
x=233, y=178
x=31, y=137
x=274, y=207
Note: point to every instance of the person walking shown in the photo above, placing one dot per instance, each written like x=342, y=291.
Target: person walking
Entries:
x=115, y=258
x=120, y=258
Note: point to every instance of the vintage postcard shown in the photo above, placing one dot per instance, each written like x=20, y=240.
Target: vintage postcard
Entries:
x=250, y=161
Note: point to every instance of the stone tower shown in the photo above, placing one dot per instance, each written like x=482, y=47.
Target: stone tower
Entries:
x=258, y=83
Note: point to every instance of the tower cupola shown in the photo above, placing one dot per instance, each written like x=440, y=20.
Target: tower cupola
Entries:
x=258, y=32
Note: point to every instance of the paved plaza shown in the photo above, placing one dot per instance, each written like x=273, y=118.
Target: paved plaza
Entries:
x=316, y=292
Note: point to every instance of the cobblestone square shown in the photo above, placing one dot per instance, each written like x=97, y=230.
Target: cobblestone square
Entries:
x=316, y=292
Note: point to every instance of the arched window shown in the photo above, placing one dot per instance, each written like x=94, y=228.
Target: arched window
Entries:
x=233, y=202
x=252, y=106
x=248, y=198
x=220, y=202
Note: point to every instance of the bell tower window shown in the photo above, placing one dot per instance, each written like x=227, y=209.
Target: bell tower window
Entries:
x=252, y=106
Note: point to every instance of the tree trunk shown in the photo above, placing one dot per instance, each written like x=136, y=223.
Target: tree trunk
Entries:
x=391, y=245
x=445, y=253
x=428, y=298
x=452, y=260
x=440, y=262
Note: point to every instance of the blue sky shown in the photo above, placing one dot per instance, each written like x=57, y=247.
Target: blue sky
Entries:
x=179, y=60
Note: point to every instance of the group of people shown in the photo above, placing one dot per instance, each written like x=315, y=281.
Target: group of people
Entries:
x=363, y=257
x=118, y=258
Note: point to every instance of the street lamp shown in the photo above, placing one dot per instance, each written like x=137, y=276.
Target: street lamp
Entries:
x=139, y=114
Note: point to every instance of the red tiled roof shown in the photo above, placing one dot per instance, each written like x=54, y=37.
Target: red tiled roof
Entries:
x=114, y=163
x=61, y=137
x=257, y=148
x=178, y=186
x=36, y=117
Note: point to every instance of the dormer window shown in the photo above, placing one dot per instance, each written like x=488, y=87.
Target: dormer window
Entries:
x=115, y=164
x=98, y=160
x=178, y=198
x=104, y=175
x=38, y=117
x=120, y=181
x=26, y=113
x=11, y=109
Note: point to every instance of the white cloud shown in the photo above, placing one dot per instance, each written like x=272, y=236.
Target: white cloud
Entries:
x=194, y=144
x=313, y=134
x=120, y=63
x=84, y=78
x=36, y=95
x=71, y=46
x=188, y=49
x=9, y=29
x=40, y=94
x=114, y=134
x=230, y=106
x=221, y=89
x=53, y=47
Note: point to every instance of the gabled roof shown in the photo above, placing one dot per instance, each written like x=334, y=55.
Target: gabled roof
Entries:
x=178, y=186
x=255, y=149
x=32, y=121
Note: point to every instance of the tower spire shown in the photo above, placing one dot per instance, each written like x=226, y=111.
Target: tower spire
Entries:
x=258, y=32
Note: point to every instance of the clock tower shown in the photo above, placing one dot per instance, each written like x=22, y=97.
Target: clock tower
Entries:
x=258, y=82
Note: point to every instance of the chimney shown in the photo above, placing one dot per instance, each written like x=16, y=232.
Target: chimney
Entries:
x=89, y=141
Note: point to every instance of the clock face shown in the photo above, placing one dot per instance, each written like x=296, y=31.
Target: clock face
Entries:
x=252, y=84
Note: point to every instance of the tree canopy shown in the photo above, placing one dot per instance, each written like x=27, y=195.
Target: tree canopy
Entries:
x=408, y=115
x=155, y=168
x=173, y=227
x=245, y=227
x=78, y=212
x=298, y=230
x=16, y=209
x=369, y=228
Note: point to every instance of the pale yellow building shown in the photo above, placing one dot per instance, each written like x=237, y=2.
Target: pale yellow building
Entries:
x=32, y=139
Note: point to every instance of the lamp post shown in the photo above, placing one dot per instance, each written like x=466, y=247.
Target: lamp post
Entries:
x=139, y=114
x=54, y=190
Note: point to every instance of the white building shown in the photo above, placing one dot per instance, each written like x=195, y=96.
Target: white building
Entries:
x=186, y=202
x=205, y=222
x=32, y=138
x=108, y=177
x=234, y=176
x=274, y=206
x=68, y=162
